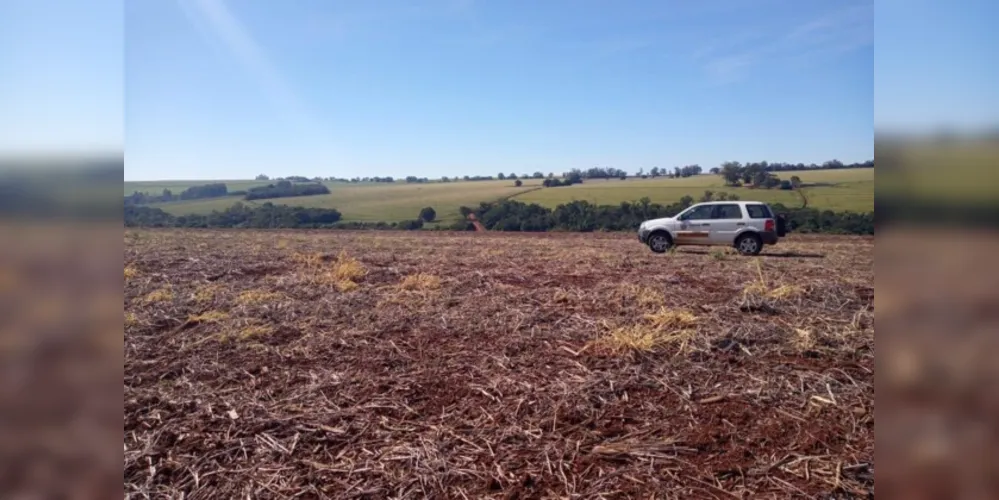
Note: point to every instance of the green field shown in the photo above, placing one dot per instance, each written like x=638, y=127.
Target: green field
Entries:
x=378, y=201
x=847, y=189
x=157, y=187
x=838, y=190
x=962, y=171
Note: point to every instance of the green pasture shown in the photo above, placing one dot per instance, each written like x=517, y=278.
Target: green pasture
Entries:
x=378, y=201
x=962, y=171
x=157, y=187
x=837, y=190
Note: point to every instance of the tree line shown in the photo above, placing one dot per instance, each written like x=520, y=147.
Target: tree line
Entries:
x=213, y=190
x=782, y=167
x=761, y=175
x=266, y=215
x=583, y=216
x=601, y=172
x=677, y=172
x=263, y=216
x=280, y=189
x=286, y=189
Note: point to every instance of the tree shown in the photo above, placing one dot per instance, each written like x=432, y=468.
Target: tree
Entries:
x=731, y=171
x=757, y=177
x=428, y=214
x=518, y=183
x=690, y=170
x=263, y=177
x=501, y=176
x=512, y=176
x=795, y=181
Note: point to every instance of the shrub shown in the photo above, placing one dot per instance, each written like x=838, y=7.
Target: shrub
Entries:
x=267, y=215
x=509, y=215
x=428, y=214
x=285, y=189
x=213, y=190
x=411, y=225
x=518, y=183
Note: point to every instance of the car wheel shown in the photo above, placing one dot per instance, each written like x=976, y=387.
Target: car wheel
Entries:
x=749, y=244
x=660, y=242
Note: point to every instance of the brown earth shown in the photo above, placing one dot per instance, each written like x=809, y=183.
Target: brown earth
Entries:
x=483, y=365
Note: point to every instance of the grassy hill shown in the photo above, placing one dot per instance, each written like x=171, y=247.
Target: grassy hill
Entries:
x=370, y=202
x=838, y=190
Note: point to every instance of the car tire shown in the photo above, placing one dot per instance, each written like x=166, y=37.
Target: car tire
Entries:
x=660, y=242
x=749, y=244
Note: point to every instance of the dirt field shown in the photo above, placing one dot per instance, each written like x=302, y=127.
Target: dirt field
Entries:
x=444, y=365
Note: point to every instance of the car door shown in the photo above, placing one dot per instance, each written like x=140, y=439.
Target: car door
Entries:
x=726, y=221
x=694, y=223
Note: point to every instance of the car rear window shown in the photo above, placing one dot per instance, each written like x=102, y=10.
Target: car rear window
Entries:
x=758, y=211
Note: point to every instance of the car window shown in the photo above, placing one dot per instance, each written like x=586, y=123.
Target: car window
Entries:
x=758, y=211
x=700, y=213
x=727, y=211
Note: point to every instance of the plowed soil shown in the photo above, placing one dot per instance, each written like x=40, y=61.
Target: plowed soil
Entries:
x=467, y=365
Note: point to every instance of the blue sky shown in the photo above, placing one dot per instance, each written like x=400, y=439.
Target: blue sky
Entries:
x=936, y=65
x=217, y=89
x=61, y=69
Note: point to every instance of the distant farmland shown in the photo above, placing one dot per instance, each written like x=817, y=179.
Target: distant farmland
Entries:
x=837, y=190
x=376, y=201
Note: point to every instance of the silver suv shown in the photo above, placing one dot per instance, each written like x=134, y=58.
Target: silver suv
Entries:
x=746, y=225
